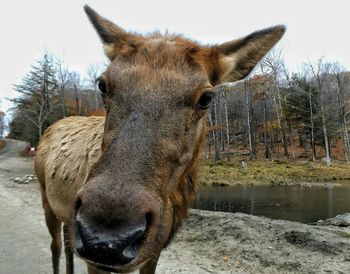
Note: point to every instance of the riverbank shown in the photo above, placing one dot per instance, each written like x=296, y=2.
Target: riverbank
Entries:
x=273, y=172
x=216, y=242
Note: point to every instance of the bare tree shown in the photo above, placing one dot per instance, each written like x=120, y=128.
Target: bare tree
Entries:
x=215, y=112
x=74, y=81
x=312, y=126
x=274, y=64
x=288, y=84
x=320, y=71
x=211, y=124
x=263, y=88
x=342, y=82
x=226, y=122
x=248, y=107
x=267, y=150
x=62, y=81
x=93, y=72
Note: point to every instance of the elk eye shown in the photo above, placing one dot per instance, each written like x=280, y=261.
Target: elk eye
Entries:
x=205, y=100
x=102, y=86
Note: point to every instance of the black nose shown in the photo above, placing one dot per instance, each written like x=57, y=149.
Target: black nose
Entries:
x=116, y=244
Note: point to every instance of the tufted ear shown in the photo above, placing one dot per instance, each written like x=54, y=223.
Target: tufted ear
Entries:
x=237, y=58
x=111, y=35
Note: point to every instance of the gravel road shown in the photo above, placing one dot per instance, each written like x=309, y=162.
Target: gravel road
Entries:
x=24, y=239
x=208, y=242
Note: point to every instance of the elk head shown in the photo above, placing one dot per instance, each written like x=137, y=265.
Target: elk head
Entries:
x=156, y=92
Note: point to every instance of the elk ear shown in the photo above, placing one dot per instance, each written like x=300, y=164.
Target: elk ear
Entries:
x=110, y=34
x=237, y=58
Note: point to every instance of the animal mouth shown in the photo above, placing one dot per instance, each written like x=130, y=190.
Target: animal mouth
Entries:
x=116, y=269
x=130, y=267
x=105, y=268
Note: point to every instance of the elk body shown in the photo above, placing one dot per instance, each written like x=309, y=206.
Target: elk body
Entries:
x=122, y=184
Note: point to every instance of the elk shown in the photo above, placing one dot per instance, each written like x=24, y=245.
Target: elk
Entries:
x=122, y=184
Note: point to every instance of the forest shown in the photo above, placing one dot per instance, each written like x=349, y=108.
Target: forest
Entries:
x=273, y=114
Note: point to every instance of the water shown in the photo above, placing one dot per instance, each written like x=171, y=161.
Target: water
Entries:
x=295, y=203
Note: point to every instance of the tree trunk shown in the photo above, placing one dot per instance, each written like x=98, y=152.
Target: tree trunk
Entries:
x=280, y=117
x=40, y=131
x=326, y=145
x=346, y=139
x=96, y=99
x=248, y=119
x=283, y=121
x=76, y=99
x=213, y=132
x=208, y=147
x=343, y=122
x=324, y=128
x=227, y=125
x=312, y=128
x=319, y=74
x=325, y=134
x=217, y=138
x=291, y=141
x=63, y=104
x=267, y=151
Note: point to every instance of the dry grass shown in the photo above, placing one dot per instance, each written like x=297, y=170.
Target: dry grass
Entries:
x=276, y=172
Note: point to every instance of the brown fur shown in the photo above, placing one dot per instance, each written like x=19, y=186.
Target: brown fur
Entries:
x=142, y=158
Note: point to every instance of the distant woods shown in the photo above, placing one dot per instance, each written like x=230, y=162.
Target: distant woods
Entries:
x=274, y=113
x=280, y=114
x=50, y=92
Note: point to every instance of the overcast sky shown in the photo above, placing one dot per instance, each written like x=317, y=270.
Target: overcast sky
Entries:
x=29, y=28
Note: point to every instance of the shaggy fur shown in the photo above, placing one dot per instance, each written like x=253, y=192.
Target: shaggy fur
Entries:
x=142, y=158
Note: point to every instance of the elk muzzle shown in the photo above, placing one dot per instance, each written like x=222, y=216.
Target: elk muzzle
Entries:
x=115, y=245
x=111, y=228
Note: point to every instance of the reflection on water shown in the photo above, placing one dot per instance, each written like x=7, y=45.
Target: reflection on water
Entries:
x=303, y=204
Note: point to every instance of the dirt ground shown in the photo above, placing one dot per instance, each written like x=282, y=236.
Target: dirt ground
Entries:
x=207, y=243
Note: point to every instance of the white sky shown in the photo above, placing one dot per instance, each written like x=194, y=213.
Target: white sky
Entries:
x=29, y=28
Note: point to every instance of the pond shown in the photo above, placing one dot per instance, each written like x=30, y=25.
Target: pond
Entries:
x=296, y=203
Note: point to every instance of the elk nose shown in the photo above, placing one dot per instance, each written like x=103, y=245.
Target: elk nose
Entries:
x=112, y=245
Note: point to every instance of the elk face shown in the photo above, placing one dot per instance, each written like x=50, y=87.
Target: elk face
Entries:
x=156, y=92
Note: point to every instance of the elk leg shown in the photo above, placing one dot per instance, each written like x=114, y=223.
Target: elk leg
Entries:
x=54, y=226
x=150, y=266
x=92, y=270
x=68, y=251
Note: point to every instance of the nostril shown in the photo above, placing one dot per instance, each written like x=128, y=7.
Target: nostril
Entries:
x=132, y=244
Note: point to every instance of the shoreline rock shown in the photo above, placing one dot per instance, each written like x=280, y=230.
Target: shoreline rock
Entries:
x=342, y=220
